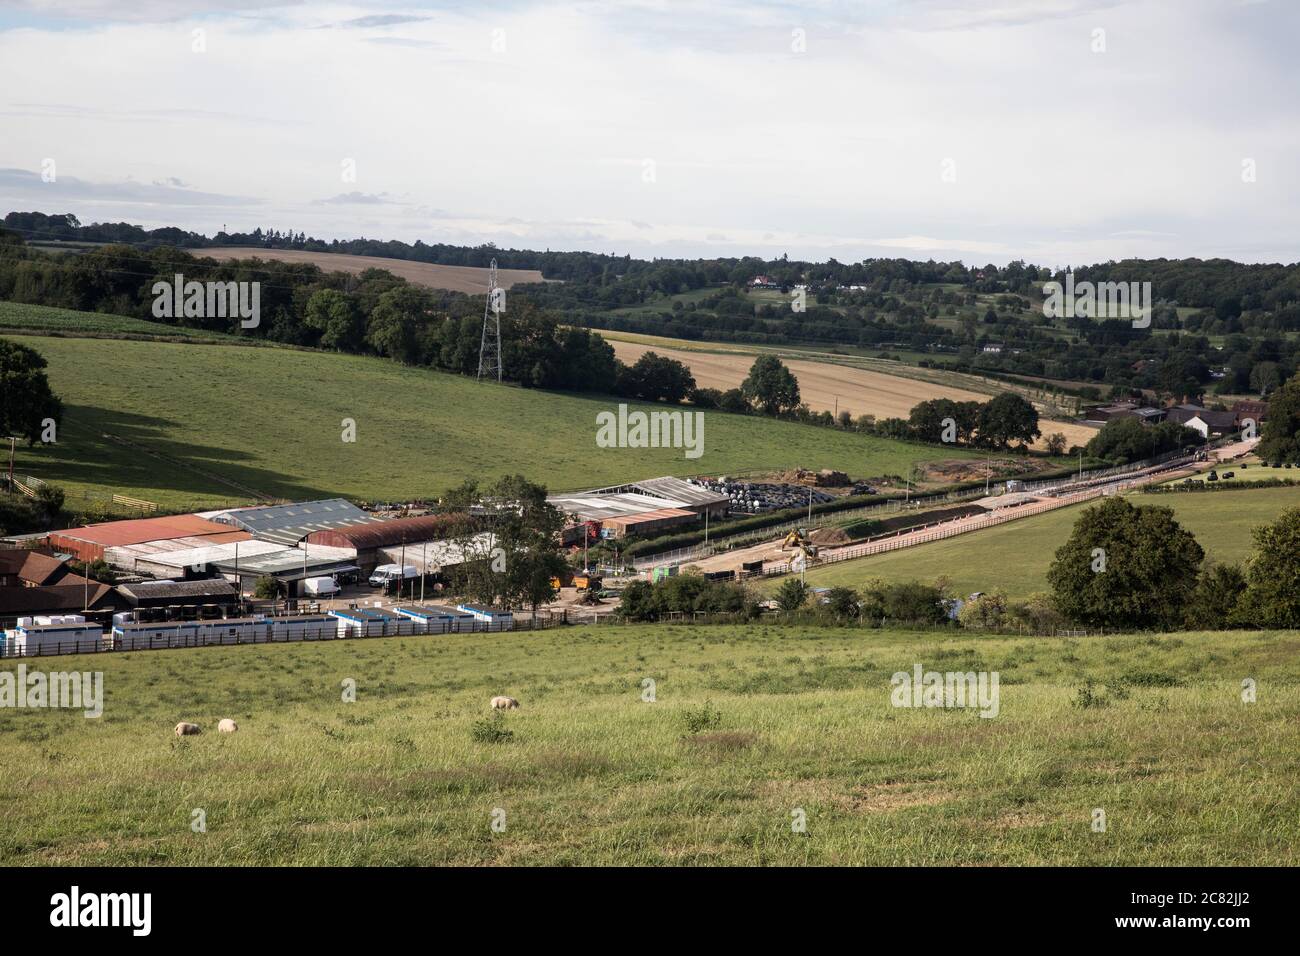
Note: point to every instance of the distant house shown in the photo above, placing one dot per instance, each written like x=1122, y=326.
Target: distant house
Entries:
x=1183, y=413
x=39, y=582
x=993, y=348
x=764, y=282
x=1209, y=423
x=1256, y=411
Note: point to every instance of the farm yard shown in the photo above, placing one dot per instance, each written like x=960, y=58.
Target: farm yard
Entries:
x=749, y=725
x=418, y=432
x=468, y=279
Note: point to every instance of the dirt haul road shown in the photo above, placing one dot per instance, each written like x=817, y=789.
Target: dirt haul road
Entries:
x=773, y=556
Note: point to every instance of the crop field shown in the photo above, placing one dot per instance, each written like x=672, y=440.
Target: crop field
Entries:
x=469, y=279
x=832, y=386
x=1014, y=557
x=750, y=727
x=272, y=420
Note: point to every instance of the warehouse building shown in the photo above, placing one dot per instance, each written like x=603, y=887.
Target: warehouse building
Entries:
x=90, y=542
x=372, y=542
x=287, y=565
x=188, y=562
x=639, y=507
x=181, y=598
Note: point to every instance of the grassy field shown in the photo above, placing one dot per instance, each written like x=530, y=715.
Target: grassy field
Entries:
x=1186, y=772
x=271, y=420
x=44, y=320
x=1015, y=556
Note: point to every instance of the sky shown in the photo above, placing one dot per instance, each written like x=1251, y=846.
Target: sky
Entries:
x=1061, y=132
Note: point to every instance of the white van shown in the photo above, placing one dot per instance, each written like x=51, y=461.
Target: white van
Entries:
x=385, y=574
x=320, y=587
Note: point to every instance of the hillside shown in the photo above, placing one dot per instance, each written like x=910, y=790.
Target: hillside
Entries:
x=466, y=279
x=1014, y=557
x=593, y=775
x=271, y=420
x=835, y=385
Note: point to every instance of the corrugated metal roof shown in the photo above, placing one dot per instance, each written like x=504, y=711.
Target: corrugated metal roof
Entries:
x=646, y=516
x=137, y=530
x=152, y=590
x=382, y=533
x=289, y=524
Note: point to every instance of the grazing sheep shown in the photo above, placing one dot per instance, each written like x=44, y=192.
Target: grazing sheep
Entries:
x=227, y=726
x=504, y=703
x=184, y=730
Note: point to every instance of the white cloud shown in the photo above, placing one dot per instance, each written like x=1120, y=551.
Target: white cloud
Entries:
x=1059, y=154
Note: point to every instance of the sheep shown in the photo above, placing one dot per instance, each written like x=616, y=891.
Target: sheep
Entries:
x=227, y=726
x=184, y=730
x=504, y=703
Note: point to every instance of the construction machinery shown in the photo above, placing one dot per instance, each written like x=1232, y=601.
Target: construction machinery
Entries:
x=797, y=540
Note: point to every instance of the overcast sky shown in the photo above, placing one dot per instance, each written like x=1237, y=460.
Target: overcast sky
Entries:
x=1059, y=131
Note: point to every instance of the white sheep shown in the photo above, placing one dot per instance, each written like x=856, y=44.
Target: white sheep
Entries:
x=184, y=730
x=227, y=726
x=504, y=703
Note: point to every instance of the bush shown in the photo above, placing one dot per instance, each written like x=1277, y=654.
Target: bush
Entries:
x=491, y=730
x=988, y=611
x=792, y=595
x=706, y=718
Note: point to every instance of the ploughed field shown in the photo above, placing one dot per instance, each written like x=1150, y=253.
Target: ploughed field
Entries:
x=752, y=729
x=469, y=279
x=826, y=386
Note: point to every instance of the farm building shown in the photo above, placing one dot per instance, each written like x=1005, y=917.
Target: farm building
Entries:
x=1208, y=423
x=179, y=595
x=370, y=541
x=1249, y=408
x=432, y=557
x=647, y=522
x=288, y=565
x=286, y=525
x=90, y=542
x=612, y=507
x=20, y=567
x=36, y=582
x=187, y=562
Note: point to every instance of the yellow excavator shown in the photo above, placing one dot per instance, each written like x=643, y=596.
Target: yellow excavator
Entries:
x=797, y=540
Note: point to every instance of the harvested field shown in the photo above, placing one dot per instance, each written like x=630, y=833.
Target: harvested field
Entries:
x=468, y=279
x=833, y=387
